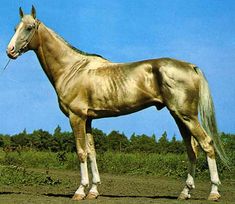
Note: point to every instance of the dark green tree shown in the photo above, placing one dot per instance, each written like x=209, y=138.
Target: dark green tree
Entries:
x=163, y=144
x=176, y=146
x=5, y=140
x=57, y=131
x=20, y=140
x=63, y=141
x=100, y=140
x=41, y=140
x=117, y=142
x=143, y=143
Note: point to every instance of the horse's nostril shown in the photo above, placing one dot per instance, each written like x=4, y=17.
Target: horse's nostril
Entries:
x=12, y=48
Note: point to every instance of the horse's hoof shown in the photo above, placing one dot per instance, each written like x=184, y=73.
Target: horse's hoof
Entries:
x=92, y=196
x=79, y=197
x=184, y=196
x=214, y=196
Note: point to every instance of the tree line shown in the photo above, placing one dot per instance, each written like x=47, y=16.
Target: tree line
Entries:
x=42, y=140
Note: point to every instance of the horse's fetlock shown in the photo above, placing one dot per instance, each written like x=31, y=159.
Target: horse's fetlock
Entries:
x=190, y=184
x=216, y=182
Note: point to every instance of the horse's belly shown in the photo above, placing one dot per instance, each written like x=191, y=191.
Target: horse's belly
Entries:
x=120, y=109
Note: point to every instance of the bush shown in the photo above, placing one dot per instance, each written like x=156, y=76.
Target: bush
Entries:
x=172, y=165
x=19, y=175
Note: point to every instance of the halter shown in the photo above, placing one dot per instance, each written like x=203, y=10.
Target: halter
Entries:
x=31, y=35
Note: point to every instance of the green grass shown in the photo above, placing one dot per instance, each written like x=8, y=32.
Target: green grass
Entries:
x=18, y=175
x=171, y=165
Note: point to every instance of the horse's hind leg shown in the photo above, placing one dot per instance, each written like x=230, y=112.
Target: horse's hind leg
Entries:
x=207, y=145
x=192, y=151
x=194, y=127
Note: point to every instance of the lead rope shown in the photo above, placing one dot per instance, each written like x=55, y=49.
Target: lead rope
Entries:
x=1, y=73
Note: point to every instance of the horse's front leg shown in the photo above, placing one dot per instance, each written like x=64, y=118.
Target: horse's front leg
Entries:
x=93, y=193
x=78, y=125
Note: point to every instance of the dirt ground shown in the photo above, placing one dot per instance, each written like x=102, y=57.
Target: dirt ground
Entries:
x=115, y=189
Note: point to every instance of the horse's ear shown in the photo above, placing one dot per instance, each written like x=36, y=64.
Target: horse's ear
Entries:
x=33, y=12
x=21, y=12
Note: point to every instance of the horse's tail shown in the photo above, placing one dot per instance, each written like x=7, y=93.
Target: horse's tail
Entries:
x=207, y=116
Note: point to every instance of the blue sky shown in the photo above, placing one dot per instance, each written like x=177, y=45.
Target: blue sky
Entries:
x=201, y=32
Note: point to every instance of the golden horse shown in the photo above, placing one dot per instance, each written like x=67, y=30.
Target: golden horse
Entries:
x=89, y=86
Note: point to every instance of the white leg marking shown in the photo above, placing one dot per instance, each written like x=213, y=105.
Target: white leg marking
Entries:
x=92, y=157
x=190, y=182
x=84, y=179
x=214, y=175
x=94, y=169
x=185, y=194
x=84, y=174
x=213, y=171
x=93, y=193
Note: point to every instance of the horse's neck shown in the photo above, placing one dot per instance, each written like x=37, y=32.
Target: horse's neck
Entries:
x=54, y=54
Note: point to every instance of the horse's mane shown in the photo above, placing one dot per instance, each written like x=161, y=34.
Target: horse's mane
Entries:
x=74, y=48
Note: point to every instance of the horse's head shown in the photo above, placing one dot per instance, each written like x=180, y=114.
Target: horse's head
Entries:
x=25, y=37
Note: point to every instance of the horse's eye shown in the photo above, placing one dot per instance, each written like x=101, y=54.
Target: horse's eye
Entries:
x=29, y=28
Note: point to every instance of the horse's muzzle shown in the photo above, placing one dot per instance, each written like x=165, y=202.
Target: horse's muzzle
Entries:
x=11, y=53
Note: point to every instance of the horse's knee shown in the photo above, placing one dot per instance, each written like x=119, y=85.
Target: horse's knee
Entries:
x=82, y=156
